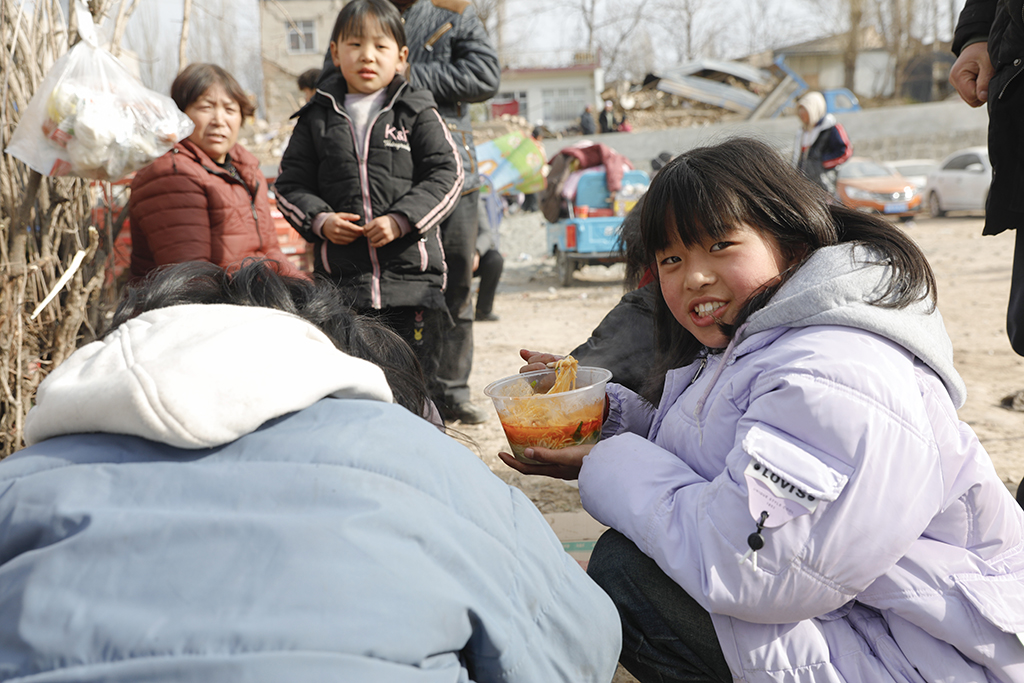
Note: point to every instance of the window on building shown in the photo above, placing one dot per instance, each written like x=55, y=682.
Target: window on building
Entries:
x=509, y=96
x=563, y=104
x=301, y=36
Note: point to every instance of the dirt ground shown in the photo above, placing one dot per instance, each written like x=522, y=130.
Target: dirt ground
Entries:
x=535, y=312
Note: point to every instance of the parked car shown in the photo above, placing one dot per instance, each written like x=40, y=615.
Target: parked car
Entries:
x=914, y=170
x=960, y=183
x=869, y=186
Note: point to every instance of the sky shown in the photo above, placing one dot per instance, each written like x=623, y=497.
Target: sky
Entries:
x=541, y=30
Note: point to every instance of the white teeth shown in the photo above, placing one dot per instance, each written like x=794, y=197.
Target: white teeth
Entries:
x=708, y=308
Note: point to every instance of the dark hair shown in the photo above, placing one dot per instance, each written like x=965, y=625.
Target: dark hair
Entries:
x=196, y=79
x=707, y=191
x=308, y=78
x=353, y=17
x=257, y=283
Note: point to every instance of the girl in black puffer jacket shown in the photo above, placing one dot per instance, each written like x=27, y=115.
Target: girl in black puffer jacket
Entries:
x=370, y=172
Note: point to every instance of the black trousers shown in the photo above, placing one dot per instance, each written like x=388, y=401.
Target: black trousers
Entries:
x=1015, y=309
x=666, y=635
x=489, y=272
x=422, y=328
x=458, y=237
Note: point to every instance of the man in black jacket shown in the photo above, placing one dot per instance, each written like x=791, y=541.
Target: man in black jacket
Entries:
x=989, y=44
x=451, y=56
x=587, y=120
x=607, y=118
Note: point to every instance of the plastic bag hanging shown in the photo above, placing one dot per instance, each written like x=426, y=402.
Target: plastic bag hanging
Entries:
x=91, y=118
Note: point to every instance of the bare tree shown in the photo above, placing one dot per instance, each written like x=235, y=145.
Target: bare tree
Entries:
x=616, y=34
x=183, y=43
x=690, y=27
x=894, y=19
x=639, y=57
x=852, y=49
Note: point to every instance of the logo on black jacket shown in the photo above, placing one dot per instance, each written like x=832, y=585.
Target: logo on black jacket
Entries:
x=395, y=138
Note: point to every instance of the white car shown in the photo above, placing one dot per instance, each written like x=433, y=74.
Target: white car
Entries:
x=914, y=170
x=960, y=183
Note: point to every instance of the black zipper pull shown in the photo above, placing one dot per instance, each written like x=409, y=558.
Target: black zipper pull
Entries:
x=755, y=541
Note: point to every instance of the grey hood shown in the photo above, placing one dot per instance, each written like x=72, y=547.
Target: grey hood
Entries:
x=834, y=286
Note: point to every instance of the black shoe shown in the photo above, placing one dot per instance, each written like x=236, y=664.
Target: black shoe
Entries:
x=467, y=413
x=486, y=317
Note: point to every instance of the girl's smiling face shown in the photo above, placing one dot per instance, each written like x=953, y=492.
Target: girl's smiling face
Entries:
x=710, y=282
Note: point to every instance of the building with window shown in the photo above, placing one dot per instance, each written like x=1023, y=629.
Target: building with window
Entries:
x=294, y=35
x=552, y=96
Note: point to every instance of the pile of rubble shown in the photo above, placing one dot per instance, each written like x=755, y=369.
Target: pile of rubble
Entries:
x=266, y=140
x=651, y=109
x=696, y=93
x=501, y=125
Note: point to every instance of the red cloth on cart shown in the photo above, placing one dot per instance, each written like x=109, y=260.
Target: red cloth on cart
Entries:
x=615, y=165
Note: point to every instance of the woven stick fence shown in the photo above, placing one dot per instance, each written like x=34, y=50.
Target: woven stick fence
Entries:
x=55, y=283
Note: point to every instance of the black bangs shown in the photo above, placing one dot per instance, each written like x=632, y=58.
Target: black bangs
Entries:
x=355, y=17
x=700, y=203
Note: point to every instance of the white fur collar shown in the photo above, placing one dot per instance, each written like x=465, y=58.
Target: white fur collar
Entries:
x=198, y=376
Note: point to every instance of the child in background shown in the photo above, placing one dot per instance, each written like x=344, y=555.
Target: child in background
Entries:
x=802, y=503
x=369, y=173
x=307, y=83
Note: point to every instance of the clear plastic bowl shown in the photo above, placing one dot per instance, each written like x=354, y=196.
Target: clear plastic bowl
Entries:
x=549, y=420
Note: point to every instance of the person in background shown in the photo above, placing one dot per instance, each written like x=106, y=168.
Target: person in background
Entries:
x=587, y=120
x=658, y=162
x=205, y=199
x=307, y=83
x=989, y=44
x=607, y=119
x=821, y=143
x=488, y=261
x=761, y=523
x=193, y=508
x=624, y=125
x=370, y=173
x=451, y=55
x=531, y=201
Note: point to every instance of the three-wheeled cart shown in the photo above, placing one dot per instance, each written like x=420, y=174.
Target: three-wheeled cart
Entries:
x=589, y=235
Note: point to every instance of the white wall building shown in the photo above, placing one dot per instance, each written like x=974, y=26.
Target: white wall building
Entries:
x=555, y=97
x=294, y=35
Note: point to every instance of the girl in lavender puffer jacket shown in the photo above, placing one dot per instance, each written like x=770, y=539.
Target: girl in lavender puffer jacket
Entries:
x=795, y=499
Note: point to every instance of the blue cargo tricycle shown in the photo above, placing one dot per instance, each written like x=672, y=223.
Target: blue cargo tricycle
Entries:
x=589, y=235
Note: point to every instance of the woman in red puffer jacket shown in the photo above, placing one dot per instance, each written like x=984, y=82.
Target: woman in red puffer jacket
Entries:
x=206, y=199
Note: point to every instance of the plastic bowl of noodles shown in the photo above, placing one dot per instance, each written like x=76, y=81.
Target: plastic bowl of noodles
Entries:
x=532, y=415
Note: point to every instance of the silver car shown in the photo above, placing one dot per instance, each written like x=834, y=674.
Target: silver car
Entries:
x=960, y=183
x=914, y=170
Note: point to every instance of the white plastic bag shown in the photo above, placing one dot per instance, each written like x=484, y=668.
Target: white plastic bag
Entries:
x=91, y=118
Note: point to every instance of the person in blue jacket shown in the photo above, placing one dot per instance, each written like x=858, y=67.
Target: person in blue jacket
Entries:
x=192, y=508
